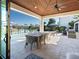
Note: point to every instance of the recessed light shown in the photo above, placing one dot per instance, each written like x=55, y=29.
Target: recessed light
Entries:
x=59, y=8
x=35, y=7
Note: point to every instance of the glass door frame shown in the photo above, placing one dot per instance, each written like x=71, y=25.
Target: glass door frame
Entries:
x=0, y=28
x=7, y=11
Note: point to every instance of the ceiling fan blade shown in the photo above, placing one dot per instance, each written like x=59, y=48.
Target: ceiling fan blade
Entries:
x=63, y=5
x=56, y=6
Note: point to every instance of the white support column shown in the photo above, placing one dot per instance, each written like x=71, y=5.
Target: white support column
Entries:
x=42, y=24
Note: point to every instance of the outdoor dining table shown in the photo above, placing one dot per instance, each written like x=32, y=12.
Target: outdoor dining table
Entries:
x=37, y=35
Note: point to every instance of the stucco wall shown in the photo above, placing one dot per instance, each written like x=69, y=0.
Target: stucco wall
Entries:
x=78, y=25
x=77, y=35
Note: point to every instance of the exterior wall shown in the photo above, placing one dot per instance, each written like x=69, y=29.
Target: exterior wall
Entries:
x=77, y=33
x=78, y=25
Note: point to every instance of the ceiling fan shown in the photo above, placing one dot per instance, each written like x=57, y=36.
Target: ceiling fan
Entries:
x=57, y=6
x=63, y=5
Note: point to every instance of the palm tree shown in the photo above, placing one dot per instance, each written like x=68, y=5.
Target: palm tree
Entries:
x=51, y=21
x=71, y=24
x=31, y=27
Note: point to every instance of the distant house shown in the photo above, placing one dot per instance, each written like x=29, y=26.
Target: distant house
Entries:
x=76, y=26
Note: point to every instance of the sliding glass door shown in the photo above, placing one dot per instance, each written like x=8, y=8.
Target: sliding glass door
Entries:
x=3, y=29
x=0, y=28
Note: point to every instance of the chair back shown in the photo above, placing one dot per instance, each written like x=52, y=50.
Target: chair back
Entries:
x=30, y=39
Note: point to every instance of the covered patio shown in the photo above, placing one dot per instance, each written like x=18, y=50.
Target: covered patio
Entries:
x=46, y=9
x=58, y=46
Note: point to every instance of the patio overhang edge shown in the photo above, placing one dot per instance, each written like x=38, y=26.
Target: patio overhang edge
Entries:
x=28, y=12
x=76, y=12
x=24, y=11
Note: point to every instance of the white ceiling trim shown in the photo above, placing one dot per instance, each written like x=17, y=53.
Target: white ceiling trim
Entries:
x=24, y=11
x=63, y=14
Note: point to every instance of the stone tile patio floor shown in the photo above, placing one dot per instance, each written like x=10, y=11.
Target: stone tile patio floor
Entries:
x=57, y=47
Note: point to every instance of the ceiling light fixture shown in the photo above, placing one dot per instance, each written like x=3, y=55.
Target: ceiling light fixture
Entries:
x=35, y=7
x=59, y=8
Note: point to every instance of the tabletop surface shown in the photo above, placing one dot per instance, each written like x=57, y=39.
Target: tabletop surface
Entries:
x=37, y=34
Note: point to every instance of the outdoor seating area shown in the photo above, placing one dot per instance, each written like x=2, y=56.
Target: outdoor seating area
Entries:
x=56, y=47
x=38, y=38
x=34, y=38
x=45, y=29
x=39, y=29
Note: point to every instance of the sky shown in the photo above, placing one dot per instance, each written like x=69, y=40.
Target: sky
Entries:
x=64, y=21
x=20, y=18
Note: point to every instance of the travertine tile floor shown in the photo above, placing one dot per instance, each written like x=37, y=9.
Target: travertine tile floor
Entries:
x=56, y=48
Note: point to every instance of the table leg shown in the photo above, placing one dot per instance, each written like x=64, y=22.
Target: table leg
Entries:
x=38, y=43
x=44, y=40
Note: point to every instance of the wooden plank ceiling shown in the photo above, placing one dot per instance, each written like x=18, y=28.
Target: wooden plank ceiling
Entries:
x=47, y=7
